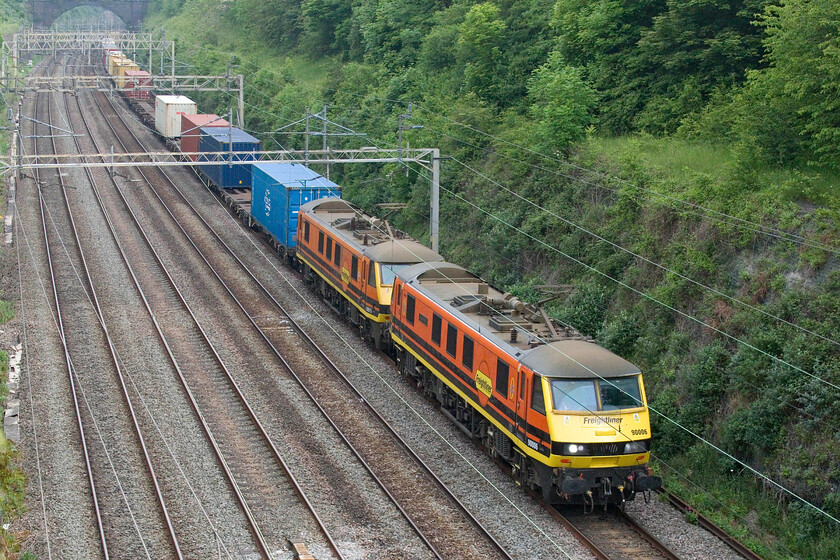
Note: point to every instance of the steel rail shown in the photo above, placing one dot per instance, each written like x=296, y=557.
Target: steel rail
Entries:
x=240, y=395
x=257, y=532
x=112, y=350
x=332, y=366
x=68, y=362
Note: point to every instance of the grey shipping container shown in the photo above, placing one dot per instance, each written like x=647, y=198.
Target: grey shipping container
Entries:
x=218, y=139
x=278, y=192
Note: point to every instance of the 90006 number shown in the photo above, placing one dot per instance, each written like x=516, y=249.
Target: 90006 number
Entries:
x=640, y=432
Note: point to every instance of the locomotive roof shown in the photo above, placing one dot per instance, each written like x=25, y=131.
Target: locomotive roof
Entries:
x=523, y=331
x=369, y=235
x=576, y=359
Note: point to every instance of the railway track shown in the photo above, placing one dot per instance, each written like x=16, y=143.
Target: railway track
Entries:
x=130, y=512
x=432, y=513
x=613, y=535
x=606, y=538
x=256, y=471
x=174, y=254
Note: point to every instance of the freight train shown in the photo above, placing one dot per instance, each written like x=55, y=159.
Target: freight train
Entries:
x=567, y=417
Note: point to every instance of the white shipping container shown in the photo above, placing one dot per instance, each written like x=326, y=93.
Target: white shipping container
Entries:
x=168, y=111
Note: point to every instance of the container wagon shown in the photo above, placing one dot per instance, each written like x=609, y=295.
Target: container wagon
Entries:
x=191, y=126
x=137, y=85
x=168, y=112
x=122, y=68
x=278, y=191
x=238, y=143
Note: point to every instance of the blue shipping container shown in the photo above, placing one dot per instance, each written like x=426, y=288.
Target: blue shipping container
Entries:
x=217, y=139
x=278, y=192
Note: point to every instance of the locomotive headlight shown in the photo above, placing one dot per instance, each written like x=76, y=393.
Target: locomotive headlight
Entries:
x=574, y=449
x=635, y=447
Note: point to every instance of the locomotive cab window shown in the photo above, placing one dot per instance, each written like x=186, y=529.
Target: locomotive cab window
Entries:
x=337, y=255
x=591, y=395
x=329, y=249
x=467, y=353
x=451, y=340
x=306, y=231
x=436, y=328
x=354, y=268
x=320, y=241
x=502, y=378
x=372, y=274
x=619, y=393
x=537, y=399
x=409, y=309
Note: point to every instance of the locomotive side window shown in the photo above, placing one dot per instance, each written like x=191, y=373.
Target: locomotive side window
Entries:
x=537, y=400
x=354, y=268
x=306, y=231
x=522, y=387
x=409, y=309
x=388, y=271
x=451, y=340
x=337, y=255
x=329, y=249
x=320, y=241
x=467, y=357
x=397, y=296
x=372, y=274
x=502, y=378
x=436, y=328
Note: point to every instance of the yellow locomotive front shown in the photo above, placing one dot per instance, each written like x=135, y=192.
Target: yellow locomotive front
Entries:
x=598, y=422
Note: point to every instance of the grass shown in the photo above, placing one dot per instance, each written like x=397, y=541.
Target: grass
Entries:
x=7, y=311
x=678, y=158
x=12, y=478
x=680, y=162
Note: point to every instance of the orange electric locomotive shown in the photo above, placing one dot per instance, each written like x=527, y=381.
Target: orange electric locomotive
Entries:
x=569, y=417
x=351, y=259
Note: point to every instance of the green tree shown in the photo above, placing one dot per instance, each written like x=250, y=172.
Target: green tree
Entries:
x=479, y=50
x=799, y=91
x=321, y=21
x=691, y=49
x=601, y=38
x=561, y=104
x=278, y=21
